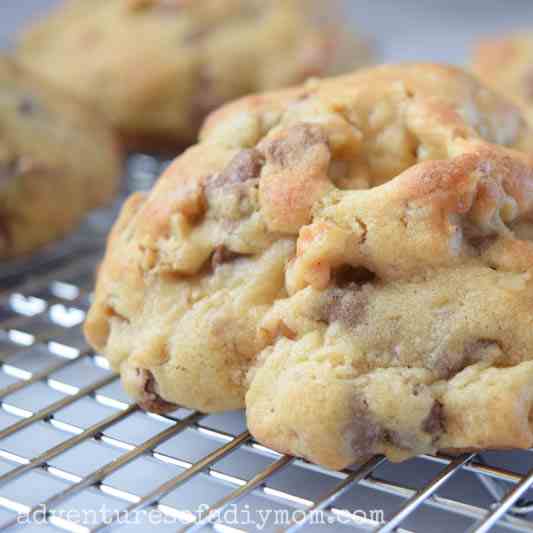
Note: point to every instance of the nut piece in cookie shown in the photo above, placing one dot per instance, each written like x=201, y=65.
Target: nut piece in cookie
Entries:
x=351, y=261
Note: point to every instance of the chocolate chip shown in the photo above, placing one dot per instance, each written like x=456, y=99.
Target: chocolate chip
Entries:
x=18, y=166
x=246, y=165
x=28, y=105
x=347, y=275
x=222, y=255
x=447, y=364
x=196, y=35
x=482, y=243
x=347, y=305
x=6, y=237
x=400, y=439
x=151, y=400
x=347, y=301
x=365, y=430
x=434, y=422
x=288, y=149
x=137, y=5
x=8, y=170
x=478, y=241
x=476, y=350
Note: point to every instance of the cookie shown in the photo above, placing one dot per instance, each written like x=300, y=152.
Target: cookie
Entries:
x=58, y=159
x=157, y=67
x=506, y=65
x=350, y=260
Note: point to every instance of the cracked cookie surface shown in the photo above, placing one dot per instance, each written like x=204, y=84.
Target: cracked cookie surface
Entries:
x=349, y=260
x=58, y=160
x=156, y=68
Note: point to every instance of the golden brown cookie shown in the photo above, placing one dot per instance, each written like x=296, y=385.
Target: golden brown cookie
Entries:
x=506, y=65
x=350, y=260
x=58, y=159
x=157, y=67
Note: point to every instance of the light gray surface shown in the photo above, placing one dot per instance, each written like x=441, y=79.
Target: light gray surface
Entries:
x=15, y=13
x=437, y=30
x=432, y=30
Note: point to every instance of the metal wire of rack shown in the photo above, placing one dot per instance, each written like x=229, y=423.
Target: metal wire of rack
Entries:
x=77, y=455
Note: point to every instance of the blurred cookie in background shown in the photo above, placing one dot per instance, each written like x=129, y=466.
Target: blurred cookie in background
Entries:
x=156, y=68
x=58, y=159
x=506, y=64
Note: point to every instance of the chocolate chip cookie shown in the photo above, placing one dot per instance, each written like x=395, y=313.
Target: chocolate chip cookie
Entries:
x=58, y=159
x=506, y=65
x=157, y=67
x=350, y=260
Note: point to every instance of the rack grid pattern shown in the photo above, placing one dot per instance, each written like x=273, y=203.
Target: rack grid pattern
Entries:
x=72, y=445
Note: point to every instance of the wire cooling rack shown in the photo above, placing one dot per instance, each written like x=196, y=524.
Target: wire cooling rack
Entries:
x=77, y=455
